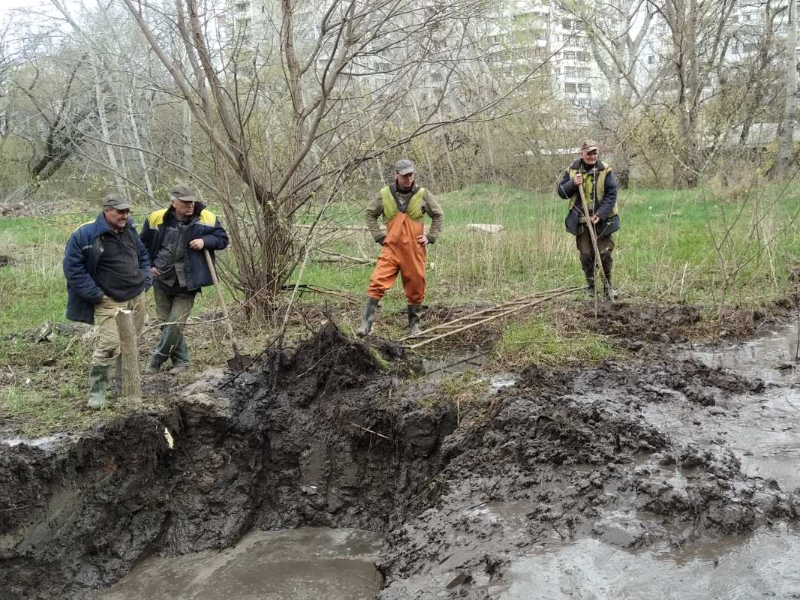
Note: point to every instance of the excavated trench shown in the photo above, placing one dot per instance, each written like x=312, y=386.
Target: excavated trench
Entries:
x=572, y=482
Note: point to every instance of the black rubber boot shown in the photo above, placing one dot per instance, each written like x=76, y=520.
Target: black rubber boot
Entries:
x=590, y=289
x=414, y=314
x=368, y=317
x=153, y=366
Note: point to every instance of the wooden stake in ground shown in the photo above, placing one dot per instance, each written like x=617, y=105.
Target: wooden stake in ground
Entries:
x=129, y=350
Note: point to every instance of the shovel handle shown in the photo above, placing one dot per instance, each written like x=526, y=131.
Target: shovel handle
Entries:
x=217, y=289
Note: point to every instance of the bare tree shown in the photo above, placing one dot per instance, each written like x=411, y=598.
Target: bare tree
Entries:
x=699, y=37
x=790, y=110
x=616, y=36
x=295, y=113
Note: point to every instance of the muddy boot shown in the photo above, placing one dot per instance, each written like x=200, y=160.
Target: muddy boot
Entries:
x=98, y=382
x=180, y=357
x=117, y=389
x=179, y=368
x=368, y=317
x=608, y=290
x=590, y=289
x=414, y=313
x=153, y=366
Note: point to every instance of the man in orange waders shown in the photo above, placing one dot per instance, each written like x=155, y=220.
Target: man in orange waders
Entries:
x=403, y=206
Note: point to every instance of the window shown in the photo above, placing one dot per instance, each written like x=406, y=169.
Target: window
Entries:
x=570, y=24
x=570, y=88
x=651, y=59
x=585, y=88
x=583, y=72
x=569, y=55
x=570, y=71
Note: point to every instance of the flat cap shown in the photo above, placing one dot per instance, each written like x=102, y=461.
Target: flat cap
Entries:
x=117, y=201
x=183, y=192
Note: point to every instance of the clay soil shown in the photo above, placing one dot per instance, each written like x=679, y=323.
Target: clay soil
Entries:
x=334, y=434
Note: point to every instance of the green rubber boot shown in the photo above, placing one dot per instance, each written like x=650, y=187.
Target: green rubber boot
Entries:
x=98, y=386
x=368, y=317
x=414, y=314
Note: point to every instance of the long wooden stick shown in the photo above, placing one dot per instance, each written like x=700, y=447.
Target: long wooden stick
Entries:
x=482, y=314
x=221, y=300
x=505, y=311
x=593, y=236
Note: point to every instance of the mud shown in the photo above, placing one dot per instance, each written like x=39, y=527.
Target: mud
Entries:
x=634, y=455
x=302, y=564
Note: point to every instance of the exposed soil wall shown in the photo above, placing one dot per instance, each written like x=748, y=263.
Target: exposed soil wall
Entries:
x=328, y=437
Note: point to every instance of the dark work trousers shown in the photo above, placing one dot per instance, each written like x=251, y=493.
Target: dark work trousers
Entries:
x=606, y=247
x=173, y=305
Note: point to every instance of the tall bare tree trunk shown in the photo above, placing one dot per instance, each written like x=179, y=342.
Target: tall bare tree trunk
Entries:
x=188, y=157
x=142, y=159
x=101, y=114
x=790, y=109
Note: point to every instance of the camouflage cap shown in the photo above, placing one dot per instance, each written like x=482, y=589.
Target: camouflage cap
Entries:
x=404, y=167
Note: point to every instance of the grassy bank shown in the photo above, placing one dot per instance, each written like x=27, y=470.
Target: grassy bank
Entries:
x=692, y=246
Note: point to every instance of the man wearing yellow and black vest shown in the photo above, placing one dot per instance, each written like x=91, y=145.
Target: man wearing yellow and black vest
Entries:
x=600, y=189
x=403, y=206
x=176, y=238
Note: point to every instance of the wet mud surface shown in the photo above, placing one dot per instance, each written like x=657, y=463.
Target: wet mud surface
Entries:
x=664, y=452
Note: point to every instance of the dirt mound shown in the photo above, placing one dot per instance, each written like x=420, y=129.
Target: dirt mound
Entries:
x=332, y=362
x=561, y=457
x=649, y=322
x=636, y=324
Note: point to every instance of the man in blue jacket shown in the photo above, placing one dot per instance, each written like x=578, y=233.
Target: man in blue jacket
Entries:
x=176, y=238
x=107, y=269
x=600, y=189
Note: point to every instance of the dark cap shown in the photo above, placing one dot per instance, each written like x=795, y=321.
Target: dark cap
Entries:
x=588, y=146
x=404, y=167
x=183, y=192
x=116, y=201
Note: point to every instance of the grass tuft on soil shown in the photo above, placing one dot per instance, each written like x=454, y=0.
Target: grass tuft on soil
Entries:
x=540, y=339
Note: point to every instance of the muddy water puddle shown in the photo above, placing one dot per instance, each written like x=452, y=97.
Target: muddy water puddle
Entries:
x=300, y=564
x=443, y=368
x=762, y=565
x=771, y=357
x=763, y=429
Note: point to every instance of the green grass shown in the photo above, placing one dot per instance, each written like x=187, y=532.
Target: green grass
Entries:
x=698, y=246
x=44, y=385
x=687, y=245
x=539, y=340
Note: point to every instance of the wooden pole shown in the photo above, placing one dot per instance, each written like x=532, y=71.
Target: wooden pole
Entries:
x=593, y=235
x=129, y=350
